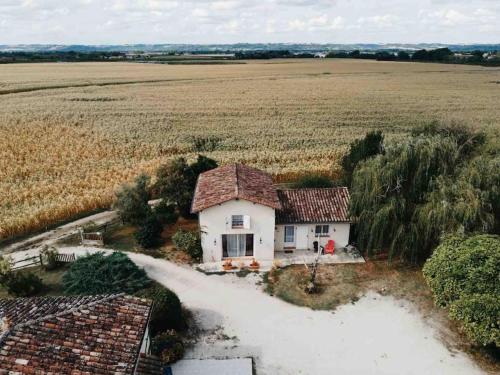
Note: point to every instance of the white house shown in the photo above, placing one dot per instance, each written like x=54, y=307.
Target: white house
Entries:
x=243, y=215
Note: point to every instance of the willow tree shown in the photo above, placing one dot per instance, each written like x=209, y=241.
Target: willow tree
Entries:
x=400, y=198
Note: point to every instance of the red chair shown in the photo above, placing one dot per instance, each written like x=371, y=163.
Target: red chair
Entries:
x=330, y=247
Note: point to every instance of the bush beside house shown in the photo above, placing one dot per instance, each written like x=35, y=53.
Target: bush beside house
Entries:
x=189, y=242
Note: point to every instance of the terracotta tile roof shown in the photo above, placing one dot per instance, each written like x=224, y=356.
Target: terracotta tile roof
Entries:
x=72, y=335
x=233, y=181
x=313, y=206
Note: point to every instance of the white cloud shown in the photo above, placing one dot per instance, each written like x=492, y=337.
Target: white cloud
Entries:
x=229, y=21
x=450, y=17
x=382, y=21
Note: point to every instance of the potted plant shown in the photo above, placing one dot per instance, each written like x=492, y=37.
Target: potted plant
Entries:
x=228, y=265
x=254, y=265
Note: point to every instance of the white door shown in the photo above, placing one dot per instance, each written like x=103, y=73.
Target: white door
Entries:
x=289, y=234
x=302, y=240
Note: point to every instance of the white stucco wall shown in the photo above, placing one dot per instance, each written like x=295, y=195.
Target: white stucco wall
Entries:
x=339, y=232
x=216, y=221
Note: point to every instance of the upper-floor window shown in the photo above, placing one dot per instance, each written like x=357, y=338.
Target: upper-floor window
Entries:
x=322, y=230
x=237, y=221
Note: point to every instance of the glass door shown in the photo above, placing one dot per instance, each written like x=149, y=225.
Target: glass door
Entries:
x=289, y=236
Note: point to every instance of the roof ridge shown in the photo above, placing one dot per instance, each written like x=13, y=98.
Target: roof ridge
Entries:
x=27, y=323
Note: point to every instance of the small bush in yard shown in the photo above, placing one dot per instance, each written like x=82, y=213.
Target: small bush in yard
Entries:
x=21, y=284
x=479, y=316
x=189, y=242
x=5, y=266
x=167, y=310
x=49, y=257
x=463, y=274
x=149, y=233
x=168, y=346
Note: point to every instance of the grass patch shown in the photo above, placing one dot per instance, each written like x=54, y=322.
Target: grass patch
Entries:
x=51, y=279
x=346, y=283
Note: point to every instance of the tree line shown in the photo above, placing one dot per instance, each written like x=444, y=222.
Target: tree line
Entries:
x=442, y=55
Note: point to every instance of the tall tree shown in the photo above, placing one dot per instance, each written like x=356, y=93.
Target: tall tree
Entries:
x=402, y=199
x=176, y=181
x=359, y=150
x=132, y=201
x=174, y=184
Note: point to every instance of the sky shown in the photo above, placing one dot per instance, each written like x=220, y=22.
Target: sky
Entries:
x=248, y=21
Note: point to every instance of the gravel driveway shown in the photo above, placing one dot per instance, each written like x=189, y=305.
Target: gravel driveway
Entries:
x=375, y=335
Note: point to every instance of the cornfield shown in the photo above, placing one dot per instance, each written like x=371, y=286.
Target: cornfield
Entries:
x=70, y=134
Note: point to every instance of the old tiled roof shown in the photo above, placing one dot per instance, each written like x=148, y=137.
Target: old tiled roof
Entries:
x=235, y=181
x=313, y=206
x=72, y=335
x=149, y=365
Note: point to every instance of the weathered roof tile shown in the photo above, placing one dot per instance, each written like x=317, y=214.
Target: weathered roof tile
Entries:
x=313, y=206
x=235, y=181
x=54, y=335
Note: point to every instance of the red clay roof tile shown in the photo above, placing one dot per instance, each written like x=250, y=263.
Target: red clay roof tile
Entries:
x=72, y=335
x=313, y=206
x=235, y=181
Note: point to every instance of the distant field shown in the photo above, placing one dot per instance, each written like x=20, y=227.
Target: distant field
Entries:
x=71, y=133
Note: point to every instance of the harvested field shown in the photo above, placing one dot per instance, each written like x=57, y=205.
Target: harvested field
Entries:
x=71, y=133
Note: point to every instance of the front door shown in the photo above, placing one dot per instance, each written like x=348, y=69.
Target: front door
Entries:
x=302, y=237
x=289, y=240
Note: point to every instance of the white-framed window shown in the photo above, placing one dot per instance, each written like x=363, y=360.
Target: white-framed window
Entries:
x=237, y=221
x=289, y=234
x=322, y=230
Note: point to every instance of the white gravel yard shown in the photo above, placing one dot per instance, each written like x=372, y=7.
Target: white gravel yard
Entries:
x=375, y=335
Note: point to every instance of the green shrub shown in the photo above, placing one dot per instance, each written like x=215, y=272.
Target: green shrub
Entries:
x=149, y=233
x=167, y=310
x=479, y=314
x=5, y=266
x=101, y=274
x=166, y=212
x=168, y=346
x=21, y=284
x=463, y=274
x=49, y=257
x=189, y=242
x=313, y=181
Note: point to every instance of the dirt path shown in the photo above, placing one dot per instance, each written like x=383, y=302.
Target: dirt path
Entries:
x=376, y=335
x=52, y=236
